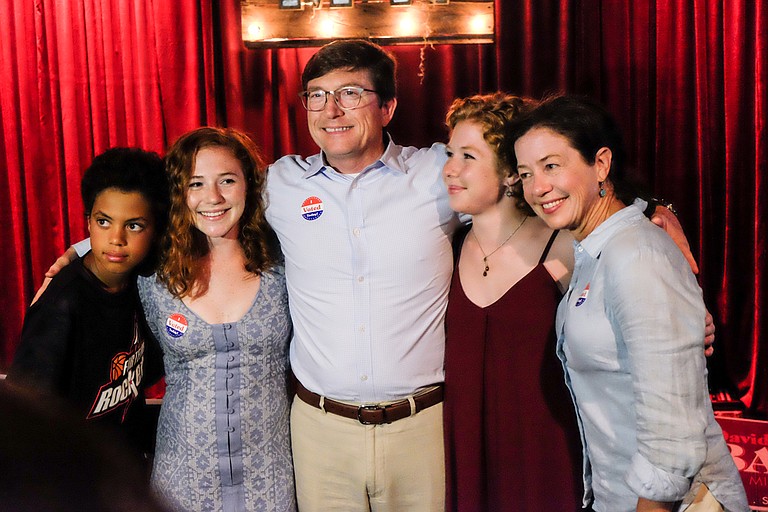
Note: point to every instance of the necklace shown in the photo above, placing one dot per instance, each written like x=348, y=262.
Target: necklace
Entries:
x=486, y=256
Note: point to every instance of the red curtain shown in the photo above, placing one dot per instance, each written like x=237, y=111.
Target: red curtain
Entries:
x=687, y=79
x=75, y=79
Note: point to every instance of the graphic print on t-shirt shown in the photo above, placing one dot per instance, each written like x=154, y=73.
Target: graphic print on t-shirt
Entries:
x=126, y=372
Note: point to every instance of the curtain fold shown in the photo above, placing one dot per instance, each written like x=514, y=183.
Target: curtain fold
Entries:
x=686, y=79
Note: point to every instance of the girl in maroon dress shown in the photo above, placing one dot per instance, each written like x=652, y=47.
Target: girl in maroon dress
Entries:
x=511, y=438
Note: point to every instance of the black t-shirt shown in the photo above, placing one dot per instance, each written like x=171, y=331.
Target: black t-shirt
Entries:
x=93, y=349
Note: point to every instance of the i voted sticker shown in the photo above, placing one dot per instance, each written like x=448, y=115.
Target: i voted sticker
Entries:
x=176, y=325
x=583, y=297
x=312, y=208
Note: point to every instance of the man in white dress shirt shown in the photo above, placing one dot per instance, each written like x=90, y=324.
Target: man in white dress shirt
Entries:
x=366, y=230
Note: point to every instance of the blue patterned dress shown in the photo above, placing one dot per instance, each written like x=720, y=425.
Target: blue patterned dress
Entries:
x=223, y=436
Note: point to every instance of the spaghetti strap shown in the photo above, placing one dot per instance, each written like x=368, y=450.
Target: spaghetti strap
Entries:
x=458, y=241
x=549, y=246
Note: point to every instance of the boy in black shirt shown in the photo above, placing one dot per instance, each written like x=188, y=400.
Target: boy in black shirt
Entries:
x=85, y=339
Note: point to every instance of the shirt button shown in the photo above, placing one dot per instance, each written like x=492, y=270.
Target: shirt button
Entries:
x=230, y=375
x=231, y=358
x=363, y=378
x=230, y=344
x=227, y=326
x=580, y=249
x=230, y=411
x=360, y=279
x=230, y=393
x=361, y=328
x=356, y=231
x=231, y=429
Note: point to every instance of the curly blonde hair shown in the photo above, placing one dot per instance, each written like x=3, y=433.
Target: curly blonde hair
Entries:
x=184, y=246
x=496, y=114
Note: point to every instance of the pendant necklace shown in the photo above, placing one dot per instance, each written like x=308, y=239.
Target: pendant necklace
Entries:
x=486, y=256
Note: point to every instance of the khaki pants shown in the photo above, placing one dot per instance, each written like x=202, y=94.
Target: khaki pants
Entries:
x=342, y=465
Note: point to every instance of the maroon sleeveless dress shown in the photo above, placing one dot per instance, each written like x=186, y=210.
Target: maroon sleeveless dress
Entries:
x=511, y=439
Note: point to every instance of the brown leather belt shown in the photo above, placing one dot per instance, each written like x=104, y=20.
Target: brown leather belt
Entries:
x=374, y=414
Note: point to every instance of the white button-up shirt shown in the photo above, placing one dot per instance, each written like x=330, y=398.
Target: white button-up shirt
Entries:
x=368, y=265
x=631, y=328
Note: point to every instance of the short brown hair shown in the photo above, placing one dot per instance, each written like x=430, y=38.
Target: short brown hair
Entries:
x=354, y=55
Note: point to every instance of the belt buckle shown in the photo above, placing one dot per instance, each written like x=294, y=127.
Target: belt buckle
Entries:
x=362, y=408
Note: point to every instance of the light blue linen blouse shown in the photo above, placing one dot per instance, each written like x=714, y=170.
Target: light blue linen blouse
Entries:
x=631, y=330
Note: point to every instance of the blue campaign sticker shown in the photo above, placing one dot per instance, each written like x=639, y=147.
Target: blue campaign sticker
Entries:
x=312, y=208
x=176, y=325
x=583, y=297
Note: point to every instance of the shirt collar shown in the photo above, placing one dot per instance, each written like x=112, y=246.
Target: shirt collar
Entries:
x=390, y=158
x=393, y=156
x=598, y=238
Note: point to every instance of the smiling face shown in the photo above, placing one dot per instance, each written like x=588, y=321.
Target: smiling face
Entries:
x=216, y=193
x=471, y=172
x=561, y=187
x=122, y=232
x=350, y=139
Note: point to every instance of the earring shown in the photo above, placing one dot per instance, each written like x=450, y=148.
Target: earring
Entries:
x=602, y=190
x=508, y=192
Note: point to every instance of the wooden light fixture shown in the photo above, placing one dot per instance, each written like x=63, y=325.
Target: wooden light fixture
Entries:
x=294, y=23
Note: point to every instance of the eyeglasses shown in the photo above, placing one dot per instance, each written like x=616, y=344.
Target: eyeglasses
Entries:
x=347, y=98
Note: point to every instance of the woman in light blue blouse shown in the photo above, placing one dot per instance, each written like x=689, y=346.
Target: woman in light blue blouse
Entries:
x=629, y=327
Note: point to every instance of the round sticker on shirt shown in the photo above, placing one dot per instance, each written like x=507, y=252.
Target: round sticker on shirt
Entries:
x=176, y=325
x=312, y=208
x=583, y=297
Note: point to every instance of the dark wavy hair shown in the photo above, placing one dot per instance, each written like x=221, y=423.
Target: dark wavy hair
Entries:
x=588, y=126
x=184, y=245
x=495, y=113
x=354, y=55
x=130, y=170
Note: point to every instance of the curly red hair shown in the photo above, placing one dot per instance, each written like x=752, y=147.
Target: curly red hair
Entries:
x=184, y=246
x=495, y=113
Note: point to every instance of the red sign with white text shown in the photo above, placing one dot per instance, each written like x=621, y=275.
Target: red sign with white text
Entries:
x=748, y=442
